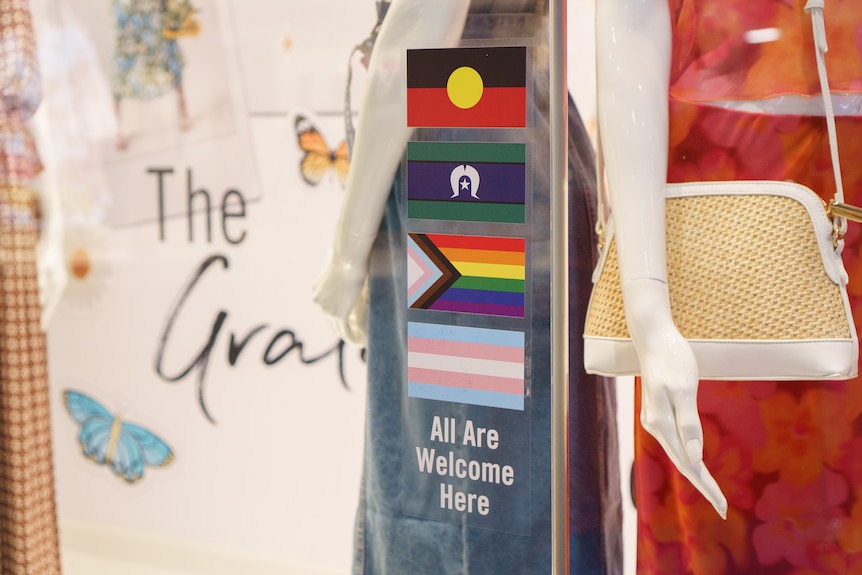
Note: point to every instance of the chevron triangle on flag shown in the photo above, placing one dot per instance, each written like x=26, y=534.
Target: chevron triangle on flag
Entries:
x=466, y=274
x=429, y=273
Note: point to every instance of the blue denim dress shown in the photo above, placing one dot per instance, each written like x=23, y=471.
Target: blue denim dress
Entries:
x=386, y=540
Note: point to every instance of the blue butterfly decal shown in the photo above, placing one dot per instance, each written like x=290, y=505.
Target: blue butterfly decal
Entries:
x=105, y=439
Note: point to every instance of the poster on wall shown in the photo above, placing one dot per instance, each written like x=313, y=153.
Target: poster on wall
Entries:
x=162, y=84
x=198, y=395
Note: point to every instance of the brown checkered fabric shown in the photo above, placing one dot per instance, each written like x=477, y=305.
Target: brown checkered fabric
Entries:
x=28, y=527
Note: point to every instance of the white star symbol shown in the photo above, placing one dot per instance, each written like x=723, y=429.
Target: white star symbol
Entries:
x=465, y=184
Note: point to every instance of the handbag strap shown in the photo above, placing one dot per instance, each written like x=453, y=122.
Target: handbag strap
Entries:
x=838, y=210
x=814, y=8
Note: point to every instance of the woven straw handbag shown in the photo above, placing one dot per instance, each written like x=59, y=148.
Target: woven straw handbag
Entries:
x=757, y=297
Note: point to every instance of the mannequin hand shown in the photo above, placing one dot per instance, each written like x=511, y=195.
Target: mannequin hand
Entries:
x=52, y=275
x=50, y=262
x=342, y=294
x=669, y=411
x=669, y=386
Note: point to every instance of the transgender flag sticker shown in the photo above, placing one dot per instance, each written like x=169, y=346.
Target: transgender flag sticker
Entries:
x=458, y=364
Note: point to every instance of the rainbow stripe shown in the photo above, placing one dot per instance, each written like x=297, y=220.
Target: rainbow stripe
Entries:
x=466, y=274
x=469, y=365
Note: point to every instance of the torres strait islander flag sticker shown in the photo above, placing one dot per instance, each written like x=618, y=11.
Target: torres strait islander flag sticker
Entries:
x=478, y=182
x=467, y=87
x=466, y=274
x=470, y=365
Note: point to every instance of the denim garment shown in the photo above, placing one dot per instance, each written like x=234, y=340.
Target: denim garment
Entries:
x=387, y=541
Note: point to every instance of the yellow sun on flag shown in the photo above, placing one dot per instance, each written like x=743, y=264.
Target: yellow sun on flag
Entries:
x=465, y=87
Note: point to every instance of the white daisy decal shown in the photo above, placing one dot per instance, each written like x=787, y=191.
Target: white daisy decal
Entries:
x=88, y=261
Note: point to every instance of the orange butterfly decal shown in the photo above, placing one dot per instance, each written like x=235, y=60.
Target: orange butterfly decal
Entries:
x=319, y=159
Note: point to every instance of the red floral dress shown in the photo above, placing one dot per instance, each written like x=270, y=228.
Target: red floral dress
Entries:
x=788, y=455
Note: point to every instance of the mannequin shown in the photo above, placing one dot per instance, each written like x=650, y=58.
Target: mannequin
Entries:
x=387, y=540
x=634, y=49
x=685, y=96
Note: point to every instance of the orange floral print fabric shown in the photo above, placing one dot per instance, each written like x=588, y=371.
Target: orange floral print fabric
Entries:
x=788, y=455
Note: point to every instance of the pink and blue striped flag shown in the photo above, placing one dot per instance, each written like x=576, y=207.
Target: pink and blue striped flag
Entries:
x=457, y=364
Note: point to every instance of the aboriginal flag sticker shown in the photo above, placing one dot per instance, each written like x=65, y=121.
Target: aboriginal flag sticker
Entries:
x=467, y=87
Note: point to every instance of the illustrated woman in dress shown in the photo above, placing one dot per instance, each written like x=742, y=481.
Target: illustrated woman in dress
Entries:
x=695, y=90
x=148, y=62
x=369, y=246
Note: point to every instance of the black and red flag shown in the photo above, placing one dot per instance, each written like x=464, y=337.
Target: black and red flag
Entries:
x=467, y=87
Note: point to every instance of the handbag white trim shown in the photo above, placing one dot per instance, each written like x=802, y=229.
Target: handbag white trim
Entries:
x=752, y=359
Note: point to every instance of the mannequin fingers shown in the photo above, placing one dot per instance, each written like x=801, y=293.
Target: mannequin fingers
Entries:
x=660, y=420
x=355, y=334
x=709, y=488
x=341, y=327
x=657, y=419
x=696, y=473
x=356, y=327
x=688, y=425
x=332, y=305
x=48, y=309
x=334, y=295
x=359, y=318
x=702, y=480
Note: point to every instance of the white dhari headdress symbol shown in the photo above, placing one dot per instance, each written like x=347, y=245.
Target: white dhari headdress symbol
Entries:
x=463, y=176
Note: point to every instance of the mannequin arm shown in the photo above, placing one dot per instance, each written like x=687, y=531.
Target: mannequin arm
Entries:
x=634, y=47
x=380, y=141
x=50, y=263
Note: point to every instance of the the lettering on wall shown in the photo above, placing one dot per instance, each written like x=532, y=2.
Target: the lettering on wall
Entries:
x=224, y=341
x=232, y=207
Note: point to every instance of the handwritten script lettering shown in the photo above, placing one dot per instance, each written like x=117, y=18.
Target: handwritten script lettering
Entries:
x=283, y=342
